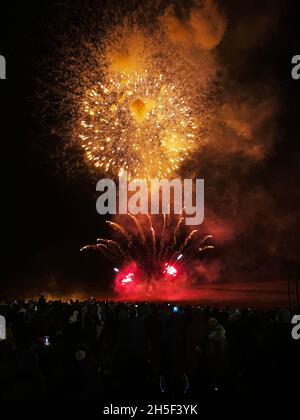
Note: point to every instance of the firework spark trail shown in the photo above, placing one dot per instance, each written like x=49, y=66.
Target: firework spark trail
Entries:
x=109, y=252
x=206, y=247
x=187, y=240
x=104, y=249
x=123, y=231
x=113, y=244
x=88, y=247
x=145, y=255
x=163, y=234
x=205, y=238
x=153, y=236
x=201, y=249
x=176, y=233
x=139, y=227
x=177, y=228
x=164, y=228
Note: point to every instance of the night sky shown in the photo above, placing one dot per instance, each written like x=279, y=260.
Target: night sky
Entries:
x=48, y=215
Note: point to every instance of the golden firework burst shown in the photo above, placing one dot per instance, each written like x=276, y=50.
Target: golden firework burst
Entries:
x=138, y=123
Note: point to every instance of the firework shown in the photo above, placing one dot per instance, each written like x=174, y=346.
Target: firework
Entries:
x=147, y=248
x=123, y=96
x=170, y=270
x=136, y=123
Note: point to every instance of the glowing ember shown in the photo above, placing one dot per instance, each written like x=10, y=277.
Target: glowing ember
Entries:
x=127, y=279
x=170, y=270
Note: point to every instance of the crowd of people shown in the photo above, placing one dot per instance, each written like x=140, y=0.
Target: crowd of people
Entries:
x=113, y=351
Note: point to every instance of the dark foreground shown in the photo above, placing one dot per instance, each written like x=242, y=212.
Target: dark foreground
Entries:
x=112, y=352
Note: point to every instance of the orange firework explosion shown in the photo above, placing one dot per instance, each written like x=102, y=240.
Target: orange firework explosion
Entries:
x=136, y=122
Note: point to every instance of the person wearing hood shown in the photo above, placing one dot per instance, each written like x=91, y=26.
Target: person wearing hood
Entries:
x=216, y=353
